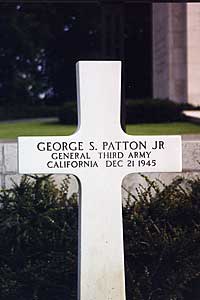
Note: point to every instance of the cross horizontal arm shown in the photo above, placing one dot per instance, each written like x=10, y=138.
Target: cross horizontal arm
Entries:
x=80, y=155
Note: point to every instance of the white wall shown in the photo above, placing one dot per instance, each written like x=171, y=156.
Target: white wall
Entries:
x=191, y=167
x=169, y=51
x=193, y=52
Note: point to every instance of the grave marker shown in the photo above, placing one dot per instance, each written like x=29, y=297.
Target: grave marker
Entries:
x=100, y=154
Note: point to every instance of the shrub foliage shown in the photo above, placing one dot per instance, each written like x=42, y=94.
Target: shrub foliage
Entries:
x=137, y=111
x=12, y=112
x=68, y=113
x=38, y=241
x=153, y=111
x=38, y=238
x=162, y=241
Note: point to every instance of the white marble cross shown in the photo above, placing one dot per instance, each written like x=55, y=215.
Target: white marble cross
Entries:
x=100, y=154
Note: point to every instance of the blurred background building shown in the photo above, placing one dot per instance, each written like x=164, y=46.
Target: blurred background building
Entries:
x=158, y=43
x=176, y=51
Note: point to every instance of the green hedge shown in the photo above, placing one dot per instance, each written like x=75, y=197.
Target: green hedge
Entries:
x=68, y=113
x=162, y=241
x=13, y=112
x=38, y=241
x=137, y=111
x=153, y=111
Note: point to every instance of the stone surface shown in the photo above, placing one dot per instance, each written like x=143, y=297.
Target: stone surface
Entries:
x=9, y=180
x=10, y=153
x=191, y=156
x=193, y=50
x=131, y=182
x=176, y=48
x=160, y=50
x=169, y=51
x=191, y=151
x=192, y=115
x=73, y=185
x=1, y=158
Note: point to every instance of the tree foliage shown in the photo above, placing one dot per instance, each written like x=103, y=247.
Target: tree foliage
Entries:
x=40, y=44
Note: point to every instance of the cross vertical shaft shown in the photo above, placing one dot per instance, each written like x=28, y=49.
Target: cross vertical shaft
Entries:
x=101, y=257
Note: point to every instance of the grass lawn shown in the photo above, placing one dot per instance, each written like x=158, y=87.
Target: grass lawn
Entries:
x=13, y=130
x=163, y=128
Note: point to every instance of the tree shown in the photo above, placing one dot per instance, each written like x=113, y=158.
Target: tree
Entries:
x=40, y=44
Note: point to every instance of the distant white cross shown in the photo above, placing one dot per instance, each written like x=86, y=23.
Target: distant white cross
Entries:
x=100, y=154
